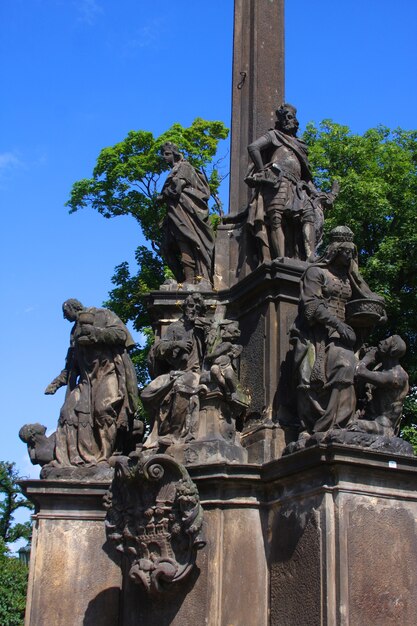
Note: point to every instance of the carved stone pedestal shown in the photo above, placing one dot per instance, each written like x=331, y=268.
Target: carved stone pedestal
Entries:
x=343, y=530
x=215, y=437
x=265, y=441
x=265, y=304
x=73, y=580
x=327, y=535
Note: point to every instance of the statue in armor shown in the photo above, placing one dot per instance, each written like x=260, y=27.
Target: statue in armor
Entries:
x=287, y=211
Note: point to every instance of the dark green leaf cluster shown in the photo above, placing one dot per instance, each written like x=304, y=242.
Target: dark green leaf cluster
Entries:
x=13, y=585
x=128, y=300
x=409, y=433
x=11, y=499
x=13, y=573
x=409, y=422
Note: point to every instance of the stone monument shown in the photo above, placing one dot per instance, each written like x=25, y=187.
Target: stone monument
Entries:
x=267, y=485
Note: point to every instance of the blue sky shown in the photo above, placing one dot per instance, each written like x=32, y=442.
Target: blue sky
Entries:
x=77, y=75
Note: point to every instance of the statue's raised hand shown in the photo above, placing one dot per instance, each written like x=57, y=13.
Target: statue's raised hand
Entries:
x=51, y=389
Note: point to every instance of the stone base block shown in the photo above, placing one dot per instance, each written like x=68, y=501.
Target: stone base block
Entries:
x=265, y=442
x=73, y=578
x=207, y=451
x=343, y=528
x=327, y=535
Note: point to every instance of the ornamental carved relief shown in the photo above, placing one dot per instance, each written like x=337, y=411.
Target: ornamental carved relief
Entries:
x=154, y=517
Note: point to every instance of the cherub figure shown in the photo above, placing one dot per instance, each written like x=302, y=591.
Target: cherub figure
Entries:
x=223, y=355
x=387, y=388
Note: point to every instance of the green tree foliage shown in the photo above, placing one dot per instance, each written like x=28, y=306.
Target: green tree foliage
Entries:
x=126, y=181
x=13, y=584
x=13, y=573
x=12, y=499
x=377, y=172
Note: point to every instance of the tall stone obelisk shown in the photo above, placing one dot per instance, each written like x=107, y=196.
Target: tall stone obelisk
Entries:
x=257, y=84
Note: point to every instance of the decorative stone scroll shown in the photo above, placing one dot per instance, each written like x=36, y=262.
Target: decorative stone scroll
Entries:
x=155, y=518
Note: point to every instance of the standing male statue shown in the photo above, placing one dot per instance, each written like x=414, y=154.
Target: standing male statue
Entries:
x=286, y=212
x=187, y=237
x=102, y=394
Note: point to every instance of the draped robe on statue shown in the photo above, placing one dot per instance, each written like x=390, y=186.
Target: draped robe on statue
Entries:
x=102, y=394
x=187, y=234
x=324, y=362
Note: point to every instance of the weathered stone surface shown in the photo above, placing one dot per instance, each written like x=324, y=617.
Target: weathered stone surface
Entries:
x=377, y=443
x=266, y=441
x=332, y=532
x=187, y=236
x=380, y=590
x=72, y=580
x=154, y=517
x=258, y=83
x=327, y=535
x=295, y=567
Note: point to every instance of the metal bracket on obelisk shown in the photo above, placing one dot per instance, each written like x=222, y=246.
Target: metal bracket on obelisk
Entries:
x=258, y=84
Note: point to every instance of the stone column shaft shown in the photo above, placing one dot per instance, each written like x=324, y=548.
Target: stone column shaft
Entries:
x=258, y=83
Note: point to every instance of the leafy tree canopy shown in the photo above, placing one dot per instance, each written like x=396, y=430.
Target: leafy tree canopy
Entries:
x=11, y=499
x=13, y=573
x=126, y=177
x=13, y=583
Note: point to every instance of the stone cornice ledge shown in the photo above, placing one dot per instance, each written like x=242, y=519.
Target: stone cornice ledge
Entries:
x=322, y=468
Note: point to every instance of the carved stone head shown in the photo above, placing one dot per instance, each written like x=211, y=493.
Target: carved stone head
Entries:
x=287, y=119
x=194, y=306
x=393, y=346
x=170, y=153
x=71, y=309
x=341, y=245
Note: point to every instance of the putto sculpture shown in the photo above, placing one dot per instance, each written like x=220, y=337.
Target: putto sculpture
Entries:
x=286, y=213
x=101, y=389
x=221, y=356
x=187, y=237
x=386, y=386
